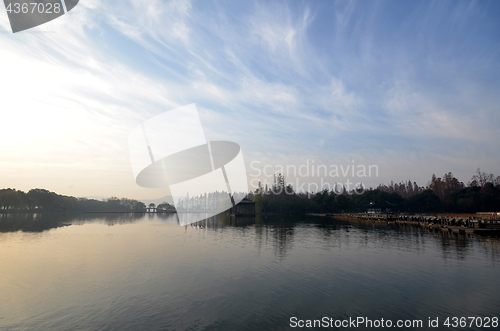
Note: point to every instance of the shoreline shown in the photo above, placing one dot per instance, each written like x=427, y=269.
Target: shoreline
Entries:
x=459, y=225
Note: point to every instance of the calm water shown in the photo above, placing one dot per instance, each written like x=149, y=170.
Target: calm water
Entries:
x=136, y=272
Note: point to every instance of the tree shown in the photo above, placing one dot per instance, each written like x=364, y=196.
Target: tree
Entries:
x=481, y=178
x=42, y=199
x=260, y=204
x=426, y=201
x=165, y=206
x=12, y=199
x=139, y=206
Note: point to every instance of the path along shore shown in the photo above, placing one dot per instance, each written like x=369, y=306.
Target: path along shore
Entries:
x=477, y=224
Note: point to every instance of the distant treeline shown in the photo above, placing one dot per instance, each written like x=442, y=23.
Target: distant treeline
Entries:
x=208, y=201
x=445, y=194
x=44, y=200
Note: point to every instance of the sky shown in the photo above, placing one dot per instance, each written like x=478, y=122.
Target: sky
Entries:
x=409, y=87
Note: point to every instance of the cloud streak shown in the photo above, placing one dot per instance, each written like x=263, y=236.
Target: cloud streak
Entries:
x=380, y=81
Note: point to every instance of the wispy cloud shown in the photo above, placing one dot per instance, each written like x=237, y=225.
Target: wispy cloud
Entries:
x=333, y=80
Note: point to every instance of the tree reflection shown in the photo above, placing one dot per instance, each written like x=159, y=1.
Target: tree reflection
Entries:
x=39, y=222
x=279, y=232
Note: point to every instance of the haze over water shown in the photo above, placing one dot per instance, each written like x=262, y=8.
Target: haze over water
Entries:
x=130, y=272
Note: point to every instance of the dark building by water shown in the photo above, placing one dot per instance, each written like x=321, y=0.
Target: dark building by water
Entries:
x=383, y=207
x=245, y=207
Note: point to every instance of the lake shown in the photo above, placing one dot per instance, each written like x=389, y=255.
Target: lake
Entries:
x=146, y=272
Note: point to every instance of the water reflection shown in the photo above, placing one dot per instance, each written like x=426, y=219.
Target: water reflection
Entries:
x=132, y=271
x=33, y=222
x=280, y=230
x=332, y=233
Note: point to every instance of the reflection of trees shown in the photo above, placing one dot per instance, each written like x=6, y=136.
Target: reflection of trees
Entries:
x=218, y=221
x=38, y=222
x=225, y=220
x=107, y=218
x=274, y=230
x=454, y=242
x=165, y=216
x=282, y=235
x=31, y=222
x=491, y=247
x=406, y=237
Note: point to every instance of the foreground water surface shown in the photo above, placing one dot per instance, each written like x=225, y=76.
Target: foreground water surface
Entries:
x=146, y=272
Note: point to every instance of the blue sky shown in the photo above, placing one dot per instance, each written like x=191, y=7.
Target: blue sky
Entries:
x=411, y=87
